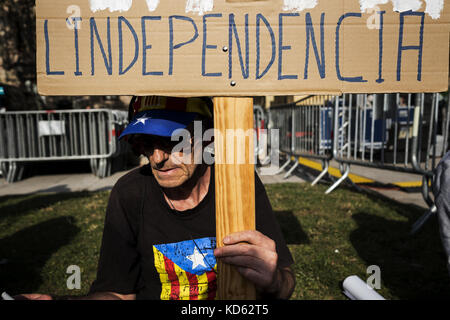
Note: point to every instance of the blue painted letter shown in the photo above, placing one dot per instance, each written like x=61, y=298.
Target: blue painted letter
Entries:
x=47, y=53
x=75, y=21
x=136, y=45
x=108, y=60
x=338, y=69
x=281, y=48
x=146, y=47
x=206, y=46
x=310, y=37
x=380, y=46
x=260, y=17
x=173, y=47
x=401, y=47
x=232, y=29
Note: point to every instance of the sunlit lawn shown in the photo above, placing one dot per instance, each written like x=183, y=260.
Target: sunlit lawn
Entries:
x=330, y=236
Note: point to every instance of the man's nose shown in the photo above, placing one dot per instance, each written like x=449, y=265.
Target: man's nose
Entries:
x=159, y=156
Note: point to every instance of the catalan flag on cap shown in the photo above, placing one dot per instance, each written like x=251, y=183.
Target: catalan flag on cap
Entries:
x=161, y=116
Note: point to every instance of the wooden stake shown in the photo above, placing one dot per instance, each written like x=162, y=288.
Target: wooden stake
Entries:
x=235, y=186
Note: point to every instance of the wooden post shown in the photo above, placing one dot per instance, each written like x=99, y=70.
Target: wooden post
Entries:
x=235, y=187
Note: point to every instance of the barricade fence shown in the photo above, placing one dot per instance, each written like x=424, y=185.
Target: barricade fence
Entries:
x=305, y=130
x=397, y=132
x=60, y=135
x=378, y=130
x=390, y=131
x=261, y=138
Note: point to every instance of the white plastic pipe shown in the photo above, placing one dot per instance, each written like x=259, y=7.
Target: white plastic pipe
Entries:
x=356, y=289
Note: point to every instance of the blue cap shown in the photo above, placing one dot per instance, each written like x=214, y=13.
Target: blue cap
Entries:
x=158, y=122
x=161, y=116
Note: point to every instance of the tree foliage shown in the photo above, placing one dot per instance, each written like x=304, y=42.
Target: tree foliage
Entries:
x=18, y=54
x=17, y=42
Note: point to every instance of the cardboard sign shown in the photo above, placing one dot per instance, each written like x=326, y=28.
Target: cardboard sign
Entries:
x=241, y=48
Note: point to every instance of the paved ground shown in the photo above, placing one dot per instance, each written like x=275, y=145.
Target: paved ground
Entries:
x=59, y=183
x=68, y=182
x=390, y=177
x=383, y=183
x=87, y=181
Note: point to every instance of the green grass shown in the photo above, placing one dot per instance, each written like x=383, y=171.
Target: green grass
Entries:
x=330, y=237
x=41, y=235
x=366, y=230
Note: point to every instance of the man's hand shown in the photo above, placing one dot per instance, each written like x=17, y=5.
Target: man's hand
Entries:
x=254, y=256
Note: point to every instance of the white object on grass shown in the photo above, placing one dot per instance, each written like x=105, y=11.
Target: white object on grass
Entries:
x=6, y=296
x=356, y=289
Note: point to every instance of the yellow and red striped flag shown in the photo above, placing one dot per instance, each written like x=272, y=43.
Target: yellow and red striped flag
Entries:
x=187, y=269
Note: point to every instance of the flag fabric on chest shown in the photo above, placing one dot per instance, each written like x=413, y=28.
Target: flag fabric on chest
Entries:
x=187, y=269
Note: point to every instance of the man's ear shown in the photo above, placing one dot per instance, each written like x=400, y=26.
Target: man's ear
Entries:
x=137, y=150
x=136, y=147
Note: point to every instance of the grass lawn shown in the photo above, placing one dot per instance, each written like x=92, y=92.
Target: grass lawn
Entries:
x=330, y=236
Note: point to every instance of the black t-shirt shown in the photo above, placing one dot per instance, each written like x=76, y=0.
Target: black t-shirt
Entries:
x=158, y=253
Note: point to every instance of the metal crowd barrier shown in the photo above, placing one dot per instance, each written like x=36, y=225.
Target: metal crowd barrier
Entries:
x=31, y=136
x=305, y=131
x=436, y=147
x=262, y=140
x=391, y=132
x=375, y=131
x=397, y=132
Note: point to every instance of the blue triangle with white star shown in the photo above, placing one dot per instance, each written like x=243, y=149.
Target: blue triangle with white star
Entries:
x=194, y=256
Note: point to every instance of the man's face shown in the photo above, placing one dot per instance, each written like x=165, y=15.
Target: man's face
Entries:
x=170, y=169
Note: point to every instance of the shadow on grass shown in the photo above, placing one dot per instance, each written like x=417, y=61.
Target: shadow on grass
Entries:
x=12, y=210
x=412, y=267
x=40, y=168
x=24, y=253
x=291, y=228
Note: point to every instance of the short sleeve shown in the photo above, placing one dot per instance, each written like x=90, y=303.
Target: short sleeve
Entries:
x=267, y=224
x=119, y=263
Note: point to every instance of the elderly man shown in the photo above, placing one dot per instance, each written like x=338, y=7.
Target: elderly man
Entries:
x=159, y=234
